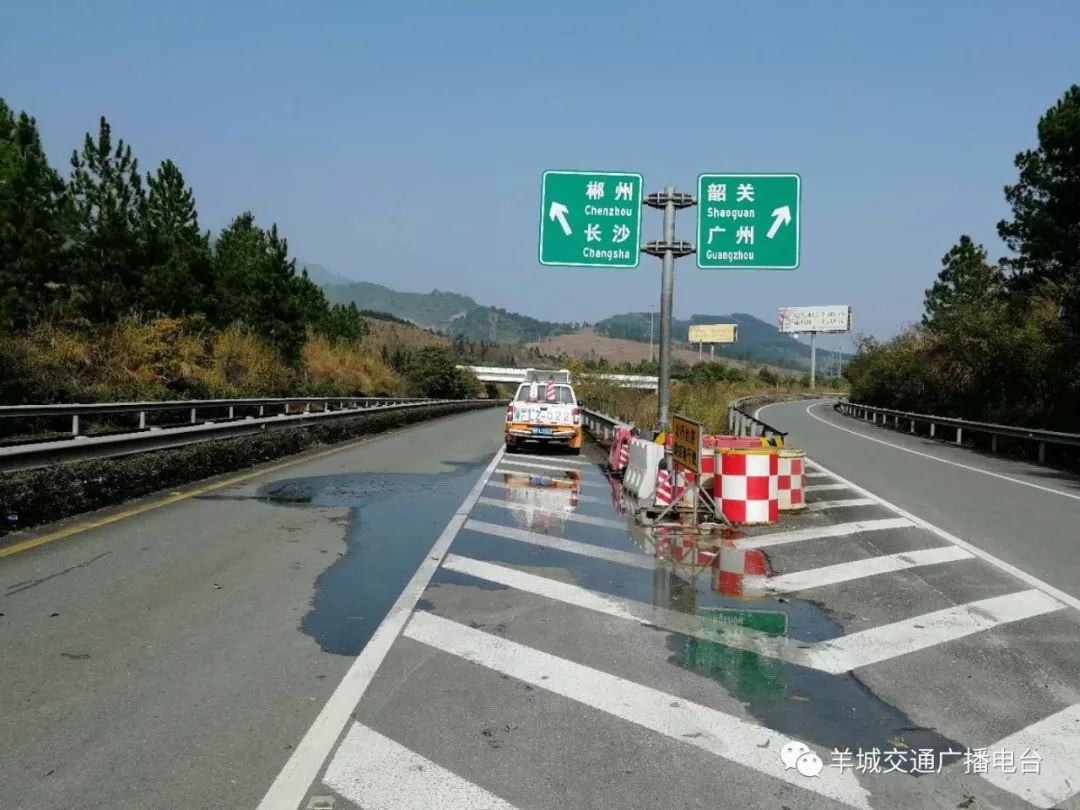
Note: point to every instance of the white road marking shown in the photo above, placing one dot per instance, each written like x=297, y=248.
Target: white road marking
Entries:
x=818, y=506
x=823, y=487
x=535, y=465
x=294, y=779
x=376, y=773
x=985, y=556
x=834, y=656
x=681, y=720
x=525, y=474
x=565, y=514
x=815, y=474
x=561, y=544
x=557, y=459
x=932, y=457
x=815, y=532
x=1056, y=740
x=858, y=569
x=928, y=630
x=581, y=498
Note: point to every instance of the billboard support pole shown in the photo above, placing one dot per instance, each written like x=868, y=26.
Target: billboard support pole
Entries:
x=813, y=359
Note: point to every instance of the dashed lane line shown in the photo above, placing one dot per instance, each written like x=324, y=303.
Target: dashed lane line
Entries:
x=819, y=506
x=815, y=532
x=563, y=514
x=376, y=773
x=1055, y=740
x=638, y=560
x=681, y=720
x=860, y=569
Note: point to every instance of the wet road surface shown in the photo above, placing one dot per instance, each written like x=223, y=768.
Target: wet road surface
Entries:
x=557, y=657
x=434, y=623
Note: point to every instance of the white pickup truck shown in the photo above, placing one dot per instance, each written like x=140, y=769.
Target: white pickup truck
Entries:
x=544, y=409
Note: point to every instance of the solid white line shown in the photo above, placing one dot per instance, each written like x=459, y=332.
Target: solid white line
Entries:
x=823, y=487
x=558, y=459
x=985, y=556
x=1056, y=740
x=573, y=517
x=815, y=532
x=815, y=474
x=932, y=457
x=561, y=544
x=579, y=482
x=534, y=465
x=928, y=630
x=818, y=506
x=291, y=784
x=581, y=498
x=376, y=773
x=858, y=569
x=721, y=734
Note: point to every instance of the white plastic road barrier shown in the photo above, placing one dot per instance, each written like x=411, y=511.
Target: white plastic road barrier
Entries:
x=640, y=477
x=747, y=487
x=790, y=481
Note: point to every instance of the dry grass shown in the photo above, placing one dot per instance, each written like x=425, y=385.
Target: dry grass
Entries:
x=343, y=369
x=176, y=358
x=706, y=402
x=390, y=334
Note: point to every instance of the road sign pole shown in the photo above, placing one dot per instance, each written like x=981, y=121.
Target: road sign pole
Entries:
x=667, y=292
x=813, y=359
x=668, y=249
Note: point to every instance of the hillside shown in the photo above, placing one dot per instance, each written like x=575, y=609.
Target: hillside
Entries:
x=758, y=341
x=588, y=345
x=450, y=313
x=435, y=309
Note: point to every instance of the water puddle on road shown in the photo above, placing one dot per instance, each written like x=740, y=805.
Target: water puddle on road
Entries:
x=394, y=518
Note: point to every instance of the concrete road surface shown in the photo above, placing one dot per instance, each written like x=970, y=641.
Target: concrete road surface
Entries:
x=498, y=635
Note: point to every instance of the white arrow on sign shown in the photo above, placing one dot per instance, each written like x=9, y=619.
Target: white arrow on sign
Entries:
x=558, y=212
x=781, y=216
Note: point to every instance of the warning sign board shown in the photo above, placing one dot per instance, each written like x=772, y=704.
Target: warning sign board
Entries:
x=686, y=443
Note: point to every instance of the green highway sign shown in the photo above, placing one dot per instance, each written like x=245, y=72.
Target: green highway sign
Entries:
x=770, y=622
x=748, y=221
x=590, y=219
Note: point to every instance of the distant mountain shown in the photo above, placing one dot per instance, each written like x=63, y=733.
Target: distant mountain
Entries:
x=435, y=309
x=454, y=314
x=759, y=342
x=321, y=275
x=450, y=313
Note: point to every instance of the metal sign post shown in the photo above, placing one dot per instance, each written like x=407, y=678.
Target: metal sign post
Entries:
x=668, y=250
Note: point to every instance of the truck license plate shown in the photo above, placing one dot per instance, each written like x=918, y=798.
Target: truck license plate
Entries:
x=542, y=431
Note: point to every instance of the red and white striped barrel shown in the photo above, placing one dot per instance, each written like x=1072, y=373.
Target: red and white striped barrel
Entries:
x=619, y=456
x=746, y=489
x=550, y=389
x=688, y=551
x=664, y=488
x=741, y=572
x=791, y=479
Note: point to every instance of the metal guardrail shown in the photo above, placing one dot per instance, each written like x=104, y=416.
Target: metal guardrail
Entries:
x=1043, y=437
x=741, y=422
x=512, y=375
x=77, y=446
x=600, y=425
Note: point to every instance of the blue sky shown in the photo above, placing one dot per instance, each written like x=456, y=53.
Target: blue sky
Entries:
x=403, y=142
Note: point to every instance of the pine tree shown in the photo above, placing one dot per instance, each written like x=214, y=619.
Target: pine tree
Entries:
x=108, y=196
x=35, y=223
x=177, y=279
x=966, y=286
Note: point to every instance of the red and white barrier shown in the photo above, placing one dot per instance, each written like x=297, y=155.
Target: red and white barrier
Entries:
x=791, y=480
x=665, y=489
x=747, y=488
x=742, y=572
x=619, y=456
x=688, y=551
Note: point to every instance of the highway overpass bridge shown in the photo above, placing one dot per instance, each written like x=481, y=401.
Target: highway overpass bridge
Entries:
x=516, y=375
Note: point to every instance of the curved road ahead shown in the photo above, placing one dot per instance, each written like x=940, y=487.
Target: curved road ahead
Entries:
x=420, y=620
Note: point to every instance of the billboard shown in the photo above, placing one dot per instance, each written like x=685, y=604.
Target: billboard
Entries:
x=714, y=333
x=814, y=319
